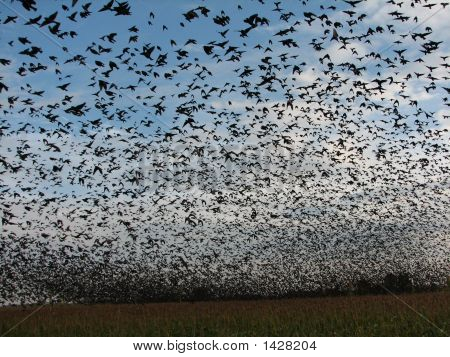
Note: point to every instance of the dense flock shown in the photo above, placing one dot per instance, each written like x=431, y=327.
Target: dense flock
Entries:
x=164, y=150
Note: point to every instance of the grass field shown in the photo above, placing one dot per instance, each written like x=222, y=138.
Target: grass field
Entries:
x=371, y=315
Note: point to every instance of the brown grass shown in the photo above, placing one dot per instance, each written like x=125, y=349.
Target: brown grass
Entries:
x=377, y=315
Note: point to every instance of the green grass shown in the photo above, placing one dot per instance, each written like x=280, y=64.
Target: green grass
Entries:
x=372, y=315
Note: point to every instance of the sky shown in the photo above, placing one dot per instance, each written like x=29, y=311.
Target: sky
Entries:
x=257, y=151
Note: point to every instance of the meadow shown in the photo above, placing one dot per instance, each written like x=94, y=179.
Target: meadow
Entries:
x=366, y=315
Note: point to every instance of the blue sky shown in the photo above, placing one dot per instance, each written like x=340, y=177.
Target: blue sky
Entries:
x=203, y=30
x=170, y=14
x=320, y=159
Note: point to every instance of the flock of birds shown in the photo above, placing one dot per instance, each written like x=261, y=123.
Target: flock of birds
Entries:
x=246, y=148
